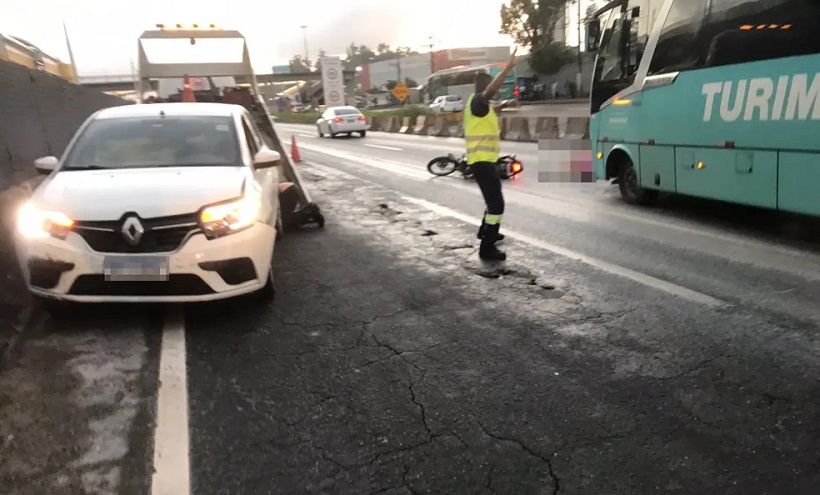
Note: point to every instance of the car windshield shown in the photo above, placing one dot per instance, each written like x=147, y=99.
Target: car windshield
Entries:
x=346, y=111
x=140, y=142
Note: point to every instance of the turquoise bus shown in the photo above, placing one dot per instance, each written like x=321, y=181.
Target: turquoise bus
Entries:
x=716, y=99
x=461, y=81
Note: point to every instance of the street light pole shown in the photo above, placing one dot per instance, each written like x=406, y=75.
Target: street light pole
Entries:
x=304, y=35
x=580, y=56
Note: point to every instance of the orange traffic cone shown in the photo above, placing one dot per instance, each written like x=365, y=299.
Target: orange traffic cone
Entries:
x=187, y=91
x=294, y=150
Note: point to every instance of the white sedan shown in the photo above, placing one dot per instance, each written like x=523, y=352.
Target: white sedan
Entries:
x=173, y=202
x=342, y=120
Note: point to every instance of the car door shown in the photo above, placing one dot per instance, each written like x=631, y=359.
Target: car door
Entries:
x=326, y=118
x=266, y=178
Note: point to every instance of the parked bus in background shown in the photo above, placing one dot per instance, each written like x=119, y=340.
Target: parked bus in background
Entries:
x=461, y=81
x=716, y=99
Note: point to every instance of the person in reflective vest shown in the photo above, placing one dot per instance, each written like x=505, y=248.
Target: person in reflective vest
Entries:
x=483, y=139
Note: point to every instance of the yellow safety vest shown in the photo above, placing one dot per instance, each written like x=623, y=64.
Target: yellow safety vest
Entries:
x=482, y=135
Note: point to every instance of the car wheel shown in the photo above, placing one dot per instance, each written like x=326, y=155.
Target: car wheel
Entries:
x=280, y=229
x=268, y=292
x=52, y=306
x=319, y=130
x=363, y=133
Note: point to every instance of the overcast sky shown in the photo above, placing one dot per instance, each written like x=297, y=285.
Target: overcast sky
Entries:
x=103, y=33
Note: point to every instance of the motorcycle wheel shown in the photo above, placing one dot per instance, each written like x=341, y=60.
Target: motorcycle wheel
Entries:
x=442, y=166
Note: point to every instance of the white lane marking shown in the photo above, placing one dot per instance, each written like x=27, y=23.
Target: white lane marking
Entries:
x=307, y=135
x=641, y=278
x=383, y=147
x=171, y=447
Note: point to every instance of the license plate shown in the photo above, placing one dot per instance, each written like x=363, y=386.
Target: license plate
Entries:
x=351, y=121
x=136, y=269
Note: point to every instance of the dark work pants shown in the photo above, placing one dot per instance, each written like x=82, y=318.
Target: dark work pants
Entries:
x=489, y=182
x=288, y=200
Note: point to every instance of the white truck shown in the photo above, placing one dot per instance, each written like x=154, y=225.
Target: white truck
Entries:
x=170, y=76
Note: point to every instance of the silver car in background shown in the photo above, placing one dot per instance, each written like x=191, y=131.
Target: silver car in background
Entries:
x=342, y=120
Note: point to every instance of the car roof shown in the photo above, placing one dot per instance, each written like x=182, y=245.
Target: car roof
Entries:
x=343, y=107
x=171, y=109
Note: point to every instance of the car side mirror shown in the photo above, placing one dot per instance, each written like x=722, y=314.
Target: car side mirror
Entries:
x=593, y=31
x=266, y=158
x=45, y=165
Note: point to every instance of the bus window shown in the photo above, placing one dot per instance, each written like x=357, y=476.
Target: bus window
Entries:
x=618, y=57
x=677, y=47
x=737, y=32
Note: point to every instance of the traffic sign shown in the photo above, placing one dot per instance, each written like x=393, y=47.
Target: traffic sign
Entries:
x=332, y=74
x=400, y=91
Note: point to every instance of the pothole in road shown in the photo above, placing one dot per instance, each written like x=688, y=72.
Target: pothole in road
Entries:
x=387, y=210
x=526, y=277
x=429, y=233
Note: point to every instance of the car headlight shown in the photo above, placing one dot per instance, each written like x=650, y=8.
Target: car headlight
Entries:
x=34, y=223
x=226, y=218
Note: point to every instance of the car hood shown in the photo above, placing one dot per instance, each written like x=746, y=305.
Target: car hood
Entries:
x=108, y=194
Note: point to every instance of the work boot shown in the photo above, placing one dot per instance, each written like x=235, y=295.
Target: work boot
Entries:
x=483, y=227
x=488, y=251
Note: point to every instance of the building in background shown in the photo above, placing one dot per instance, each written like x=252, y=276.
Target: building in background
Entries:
x=24, y=53
x=419, y=67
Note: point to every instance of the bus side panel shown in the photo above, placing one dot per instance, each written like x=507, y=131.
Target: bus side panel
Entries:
x=799, y=179
x=697, y=109
x=745, y=177
x=597, y=147
x=657, y=169
x=617, y=125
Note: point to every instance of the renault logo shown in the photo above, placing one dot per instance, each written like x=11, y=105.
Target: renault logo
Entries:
x=132, y=230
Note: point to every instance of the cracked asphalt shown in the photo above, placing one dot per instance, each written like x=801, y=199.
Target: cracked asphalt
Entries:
x=394, y=361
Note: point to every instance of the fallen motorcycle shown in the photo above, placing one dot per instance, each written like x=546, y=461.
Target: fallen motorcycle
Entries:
x=508, y=166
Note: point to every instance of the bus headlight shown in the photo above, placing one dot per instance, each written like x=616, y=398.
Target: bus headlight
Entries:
x=34, y=223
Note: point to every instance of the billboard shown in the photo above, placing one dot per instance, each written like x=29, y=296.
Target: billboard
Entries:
x=467, y=54
x=281, y=69
x=333, y=81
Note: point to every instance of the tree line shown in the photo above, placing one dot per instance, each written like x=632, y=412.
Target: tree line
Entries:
x=532, y=24
x=356, y=56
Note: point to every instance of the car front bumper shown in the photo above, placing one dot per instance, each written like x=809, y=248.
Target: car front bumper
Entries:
x=198, y=270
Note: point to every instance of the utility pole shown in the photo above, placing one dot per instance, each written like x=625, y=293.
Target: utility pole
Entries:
x=432, y=59
x=580, y=56
x=74, y=76
x=304, y=36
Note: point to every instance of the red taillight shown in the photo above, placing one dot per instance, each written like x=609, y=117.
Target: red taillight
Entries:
x=516, y=167
x=362, y=117
x=337, y=119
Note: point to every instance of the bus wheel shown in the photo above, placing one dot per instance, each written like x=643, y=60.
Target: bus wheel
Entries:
x=631, y=191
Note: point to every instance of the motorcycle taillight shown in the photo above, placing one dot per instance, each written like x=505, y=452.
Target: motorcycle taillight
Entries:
x=516, y=167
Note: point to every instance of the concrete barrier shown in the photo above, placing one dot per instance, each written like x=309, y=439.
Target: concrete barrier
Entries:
x=407, y=125
x=577, y=128
x=392, y=124
x=547, y=128
x=519, y=129
x=502, y=127
x=39, y=114
x=422, y=125
x=456, y=129
x=437, y=128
